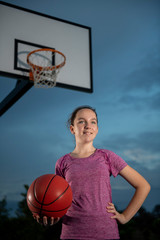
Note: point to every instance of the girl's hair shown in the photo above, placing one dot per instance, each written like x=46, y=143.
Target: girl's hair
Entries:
x=73, y=114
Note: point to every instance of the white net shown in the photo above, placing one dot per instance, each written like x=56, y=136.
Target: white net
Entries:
x=45, y=64
x=44, y=78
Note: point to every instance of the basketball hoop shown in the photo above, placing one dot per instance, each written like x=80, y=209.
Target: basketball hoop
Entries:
x=45, y=64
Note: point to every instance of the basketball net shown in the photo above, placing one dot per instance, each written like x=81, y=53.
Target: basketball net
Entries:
x=45, y=64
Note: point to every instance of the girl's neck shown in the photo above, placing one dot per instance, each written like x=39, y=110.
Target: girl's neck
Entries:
x=82, y=151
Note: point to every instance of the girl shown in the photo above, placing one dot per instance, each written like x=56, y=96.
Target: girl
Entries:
x=92, y=214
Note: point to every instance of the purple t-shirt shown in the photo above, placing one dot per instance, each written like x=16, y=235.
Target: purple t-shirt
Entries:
x=89, y=179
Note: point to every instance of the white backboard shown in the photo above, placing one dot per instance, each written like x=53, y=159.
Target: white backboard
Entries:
x=23, y=30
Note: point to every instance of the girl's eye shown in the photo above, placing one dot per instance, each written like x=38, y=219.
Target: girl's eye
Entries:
x=81, y=121
x=93, y=122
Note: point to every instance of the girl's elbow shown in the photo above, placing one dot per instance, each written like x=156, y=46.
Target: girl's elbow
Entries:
x=145, y=187
x=148, y=187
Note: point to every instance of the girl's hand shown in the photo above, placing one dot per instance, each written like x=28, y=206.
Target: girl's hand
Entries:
x=119, y=216
x=45, y=220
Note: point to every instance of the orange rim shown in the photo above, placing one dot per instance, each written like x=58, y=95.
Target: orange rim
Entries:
x=46, y=68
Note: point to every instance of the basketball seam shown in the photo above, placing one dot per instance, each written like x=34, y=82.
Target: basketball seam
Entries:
x=46, y=204
x=58, y=196
x=46, y=209
x=41, y=203
x=35, y=191
x=45, y=194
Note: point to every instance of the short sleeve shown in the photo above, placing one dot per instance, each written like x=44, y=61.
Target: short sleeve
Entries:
x=116, y=163
x=59, y=169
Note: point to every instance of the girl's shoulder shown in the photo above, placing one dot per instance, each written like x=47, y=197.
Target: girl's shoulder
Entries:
x=110, y=156
x=105, y=152
x=114, y=161
x=63, y=159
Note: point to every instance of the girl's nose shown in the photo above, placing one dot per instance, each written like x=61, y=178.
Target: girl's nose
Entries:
x=87, y=125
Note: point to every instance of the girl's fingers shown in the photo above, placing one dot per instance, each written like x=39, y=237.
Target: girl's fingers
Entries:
x=37, y=218
x=45, y=221
x=111, y=209
x=52, y=221
x=110, y=206
x=56, y=220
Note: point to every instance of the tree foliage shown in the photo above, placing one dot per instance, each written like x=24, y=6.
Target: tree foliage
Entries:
x=144, y=226
x=23, y=226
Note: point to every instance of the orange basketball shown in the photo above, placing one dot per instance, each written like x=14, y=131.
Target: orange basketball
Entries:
x=49, y=195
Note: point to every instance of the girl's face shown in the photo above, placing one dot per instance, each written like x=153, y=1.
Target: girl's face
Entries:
x=85, y=127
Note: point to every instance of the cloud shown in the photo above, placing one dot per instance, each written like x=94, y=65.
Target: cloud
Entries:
x=155, y=102
x=151, y=160
x=141, y=150
x=121, y=188
x=140, y=89
x=146, y=74
x=140, y=102
x=146, y=102
x=144, y=78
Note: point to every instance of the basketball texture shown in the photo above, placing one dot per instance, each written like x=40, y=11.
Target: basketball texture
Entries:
x=49, y=195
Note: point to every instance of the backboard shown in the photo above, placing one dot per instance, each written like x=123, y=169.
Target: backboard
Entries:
x=23, y=30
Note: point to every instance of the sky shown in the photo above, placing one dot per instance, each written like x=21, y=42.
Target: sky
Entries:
x=126, y=82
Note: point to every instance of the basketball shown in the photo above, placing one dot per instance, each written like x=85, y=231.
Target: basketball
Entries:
x=49, y=195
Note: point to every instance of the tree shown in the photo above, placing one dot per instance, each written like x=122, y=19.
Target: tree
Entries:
x=4, y=217
x=156, y=211
x=23, y=210
x=4, y=212
x=144, y=226
x=29, y=228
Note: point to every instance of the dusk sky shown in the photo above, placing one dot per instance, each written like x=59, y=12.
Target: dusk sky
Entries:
x=126, y=95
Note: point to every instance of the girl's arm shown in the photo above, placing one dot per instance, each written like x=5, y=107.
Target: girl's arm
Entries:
x=142, y=188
